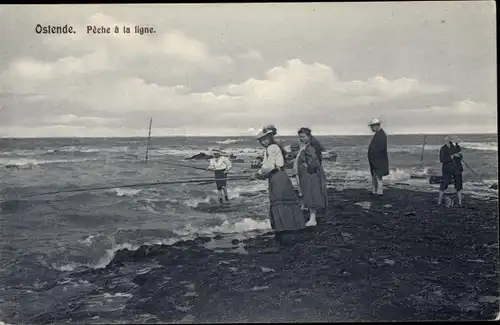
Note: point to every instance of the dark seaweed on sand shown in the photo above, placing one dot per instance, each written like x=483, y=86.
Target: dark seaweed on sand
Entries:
x=407, y=261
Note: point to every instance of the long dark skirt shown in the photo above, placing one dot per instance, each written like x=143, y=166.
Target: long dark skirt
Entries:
x=285, y=213
x=313, y=187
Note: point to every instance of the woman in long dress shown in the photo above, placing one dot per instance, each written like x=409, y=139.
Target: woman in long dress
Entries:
x=311, y=175
x=284, y=212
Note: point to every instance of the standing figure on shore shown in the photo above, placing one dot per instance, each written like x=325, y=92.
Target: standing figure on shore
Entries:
x=450, y=157
x=294, y=151
x=292, y=156
x=284, y=212
x=377, y=157
x=311, y=175
x=220, y=165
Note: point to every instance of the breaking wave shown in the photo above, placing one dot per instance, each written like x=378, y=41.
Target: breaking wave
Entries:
x=30, y=163
x=395, y=174
x=234, y=192
x=87, y=149
x=481, y=146
x=126, y=191
x=186, y=153
x=247, y=227
x=229, y=141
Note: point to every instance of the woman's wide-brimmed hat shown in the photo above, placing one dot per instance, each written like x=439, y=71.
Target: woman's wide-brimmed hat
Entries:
x=305, y=130
x=374, y=121
x=267, y=130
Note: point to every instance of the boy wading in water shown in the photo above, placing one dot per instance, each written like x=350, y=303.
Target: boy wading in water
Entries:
x=450, y=157
x=221, y=165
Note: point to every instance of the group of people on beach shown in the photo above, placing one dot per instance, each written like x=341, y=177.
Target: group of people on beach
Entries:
x=286, y=207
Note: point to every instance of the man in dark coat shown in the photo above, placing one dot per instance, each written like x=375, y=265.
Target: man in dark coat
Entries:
x=377, y=157
x=450, y=157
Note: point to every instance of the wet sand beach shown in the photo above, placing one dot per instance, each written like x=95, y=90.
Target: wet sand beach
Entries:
x=395, y=258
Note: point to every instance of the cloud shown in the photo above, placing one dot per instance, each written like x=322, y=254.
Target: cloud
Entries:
x=62, y=130
x=465, y=116
x=284, y=85
x=250, y=55
x=298, y=87
x=464, y=109
x=194, y=79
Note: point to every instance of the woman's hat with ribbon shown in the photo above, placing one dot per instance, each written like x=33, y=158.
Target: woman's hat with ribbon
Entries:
x=266, y=130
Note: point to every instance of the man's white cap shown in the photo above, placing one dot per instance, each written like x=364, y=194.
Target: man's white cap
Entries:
x=450, y=138
x=374, y=121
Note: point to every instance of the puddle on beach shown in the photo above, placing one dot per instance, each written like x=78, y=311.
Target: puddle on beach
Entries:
x=226, y=245
x=364, y=204
x=260, y=288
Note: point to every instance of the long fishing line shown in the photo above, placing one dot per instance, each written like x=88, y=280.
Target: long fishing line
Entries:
x=99, y=188
x=180, y=165
x=187, y=166
x=475, y=174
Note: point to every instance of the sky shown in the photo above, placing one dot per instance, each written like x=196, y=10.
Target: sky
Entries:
x=229, y=69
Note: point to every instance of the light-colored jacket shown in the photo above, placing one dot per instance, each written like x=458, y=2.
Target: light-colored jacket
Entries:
x=273, y=158
x=221, y=163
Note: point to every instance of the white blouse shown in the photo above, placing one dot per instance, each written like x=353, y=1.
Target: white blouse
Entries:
x=221, y=163
x=273, y=158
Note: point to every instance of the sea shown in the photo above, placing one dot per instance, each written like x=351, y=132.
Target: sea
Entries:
x=46, y=238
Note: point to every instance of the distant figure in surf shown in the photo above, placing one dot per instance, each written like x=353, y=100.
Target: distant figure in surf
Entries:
x=294, y=150
x=377, y=157
x=311, y=175
x=291, y=155
x=221, y=165
x=284, y=212
x=450, y=157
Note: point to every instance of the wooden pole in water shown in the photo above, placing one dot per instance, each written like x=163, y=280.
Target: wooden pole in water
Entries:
x=147, y=144
x=422, y=155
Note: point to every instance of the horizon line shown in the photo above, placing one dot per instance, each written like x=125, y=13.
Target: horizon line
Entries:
x=228, y=136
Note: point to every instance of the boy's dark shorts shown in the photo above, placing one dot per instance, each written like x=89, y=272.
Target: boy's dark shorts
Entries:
x=220, y=179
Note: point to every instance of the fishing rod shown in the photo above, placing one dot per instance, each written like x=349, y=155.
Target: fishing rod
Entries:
x=187, y=166
x=147, y=143
x=473, y=172
x=181, y=165
x=182, y=181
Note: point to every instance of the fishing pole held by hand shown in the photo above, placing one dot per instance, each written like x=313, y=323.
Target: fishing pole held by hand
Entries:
x=157, y=183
